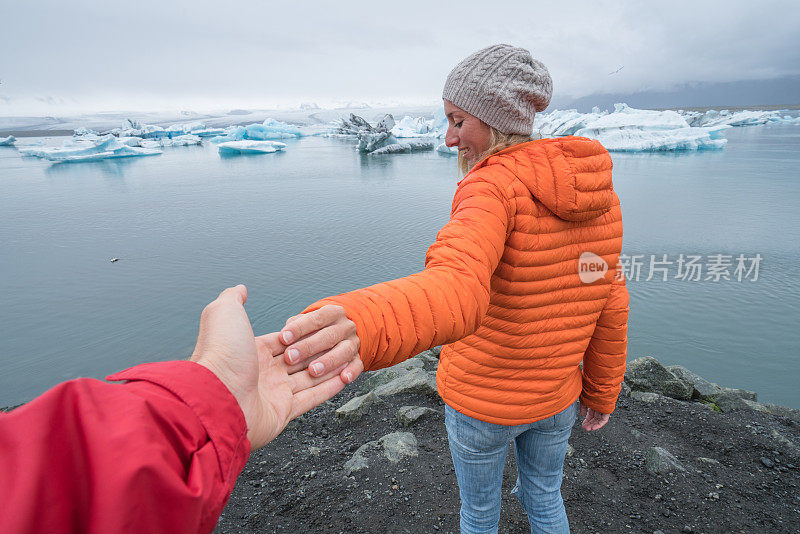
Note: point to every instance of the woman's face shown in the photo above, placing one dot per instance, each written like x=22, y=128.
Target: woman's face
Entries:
x=471, y=135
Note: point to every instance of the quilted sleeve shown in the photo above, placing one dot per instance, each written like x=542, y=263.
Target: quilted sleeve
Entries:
x=604, y=359
x=448, y=299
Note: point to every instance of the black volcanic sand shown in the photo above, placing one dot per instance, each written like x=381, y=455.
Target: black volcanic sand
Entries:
x=297, y=483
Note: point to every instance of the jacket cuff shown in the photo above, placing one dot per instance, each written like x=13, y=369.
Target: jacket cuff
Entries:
x=209, y=399
x=599, y=405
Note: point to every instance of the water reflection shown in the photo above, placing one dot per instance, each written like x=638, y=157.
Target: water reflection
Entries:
x=117, y=167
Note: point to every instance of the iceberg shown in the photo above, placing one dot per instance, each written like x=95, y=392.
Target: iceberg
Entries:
x=564, y=122
x=641, y=130
x=633, y=140
x=355, y=126
x=178, y=140
x=85, y=132
x=133, y=128
x=78, y=150
x=713, y=117
x=402, y=148
x=420, y=127
x=8, y=141
x=267, y=130
x=447, y=150
x=230, y=148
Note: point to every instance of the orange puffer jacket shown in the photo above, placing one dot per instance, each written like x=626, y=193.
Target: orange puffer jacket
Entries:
x=503, y=286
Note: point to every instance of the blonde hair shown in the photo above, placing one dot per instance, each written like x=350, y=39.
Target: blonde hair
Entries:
x=497, y=142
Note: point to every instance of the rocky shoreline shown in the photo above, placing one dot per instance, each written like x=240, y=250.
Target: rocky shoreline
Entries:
x=680, y=454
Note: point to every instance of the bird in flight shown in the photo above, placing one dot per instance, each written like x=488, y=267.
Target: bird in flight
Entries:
x=616, y=71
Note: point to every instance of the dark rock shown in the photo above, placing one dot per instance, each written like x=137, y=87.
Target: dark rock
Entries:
x=730, y=402
x=647, y=374
x=396, y=446
x=414, y=381
x=646, y=396
x=701, y=388
x=407, y=415
x=742, y=393
x=783, y=411
x=660, y=461
x=767, y=462
x=356, y=407
x=384, y=376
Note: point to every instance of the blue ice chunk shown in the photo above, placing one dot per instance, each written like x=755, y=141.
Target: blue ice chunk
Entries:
x=267, y=130
x=232, y=148
x=8, y=141
x=78, y=149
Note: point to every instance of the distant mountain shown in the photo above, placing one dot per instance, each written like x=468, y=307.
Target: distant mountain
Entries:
x=750, y=93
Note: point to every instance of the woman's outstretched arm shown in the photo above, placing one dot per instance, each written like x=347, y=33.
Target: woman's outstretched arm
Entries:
x=386, y=323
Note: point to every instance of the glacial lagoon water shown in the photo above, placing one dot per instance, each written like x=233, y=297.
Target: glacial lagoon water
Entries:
x=320, y=218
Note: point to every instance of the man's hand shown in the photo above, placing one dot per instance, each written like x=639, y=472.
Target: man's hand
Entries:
x=594, y=420
x=328, y=337
x=268, y=396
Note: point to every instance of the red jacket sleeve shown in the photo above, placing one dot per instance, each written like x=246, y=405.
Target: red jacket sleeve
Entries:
x=604, y=359
x=159, y=453
x=445, y=302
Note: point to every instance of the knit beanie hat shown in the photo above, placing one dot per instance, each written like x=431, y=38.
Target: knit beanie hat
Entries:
x=502, y=85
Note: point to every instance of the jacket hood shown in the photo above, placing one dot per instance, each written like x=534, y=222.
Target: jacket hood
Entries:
x=571, y=176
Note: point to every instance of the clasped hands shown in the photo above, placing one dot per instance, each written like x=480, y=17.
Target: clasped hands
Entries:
x=279, y=376
x=271, y=384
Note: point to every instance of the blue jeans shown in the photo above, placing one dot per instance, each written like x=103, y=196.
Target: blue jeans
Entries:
x=479, y=455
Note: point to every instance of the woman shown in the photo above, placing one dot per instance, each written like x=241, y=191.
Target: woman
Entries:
x=519, y=286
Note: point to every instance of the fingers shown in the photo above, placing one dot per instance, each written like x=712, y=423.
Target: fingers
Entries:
x=353, y=369
x=314, y=396
x=312, y=345
x=304, y=324
x=269, y=345
x=303, y=381
x=239, y=293
x=594, y=420
x=343, y=353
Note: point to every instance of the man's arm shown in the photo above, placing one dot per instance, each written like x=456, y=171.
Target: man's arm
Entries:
x=161, y=452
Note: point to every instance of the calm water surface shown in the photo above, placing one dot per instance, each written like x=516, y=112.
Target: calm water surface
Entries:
x=321, y=219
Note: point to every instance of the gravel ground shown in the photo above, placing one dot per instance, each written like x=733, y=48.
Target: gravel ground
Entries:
x=747, y=482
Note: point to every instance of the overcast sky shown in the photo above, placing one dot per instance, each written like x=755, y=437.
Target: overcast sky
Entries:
x=103, y=55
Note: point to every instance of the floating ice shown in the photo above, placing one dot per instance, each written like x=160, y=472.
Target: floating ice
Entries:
x=633, y=140
x=78, y=149
x=564, y=122
x=134, y=128
x=8, y=141
x=230, y=148
x=641, y=130
x=447, y=150
x=208, y=132
x=85, y=132
x=355, y=126
x=269, y=129
x=421, y=127
x=178, y=140
x=713, y=117
x=371, y=141
x=370, y=138
x=401, y=148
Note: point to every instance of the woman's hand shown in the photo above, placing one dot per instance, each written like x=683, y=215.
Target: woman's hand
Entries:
x=593, y=420
x=261, y=383
x=325, y=336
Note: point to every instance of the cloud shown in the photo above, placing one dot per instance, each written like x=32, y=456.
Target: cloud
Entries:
x=112, y=54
